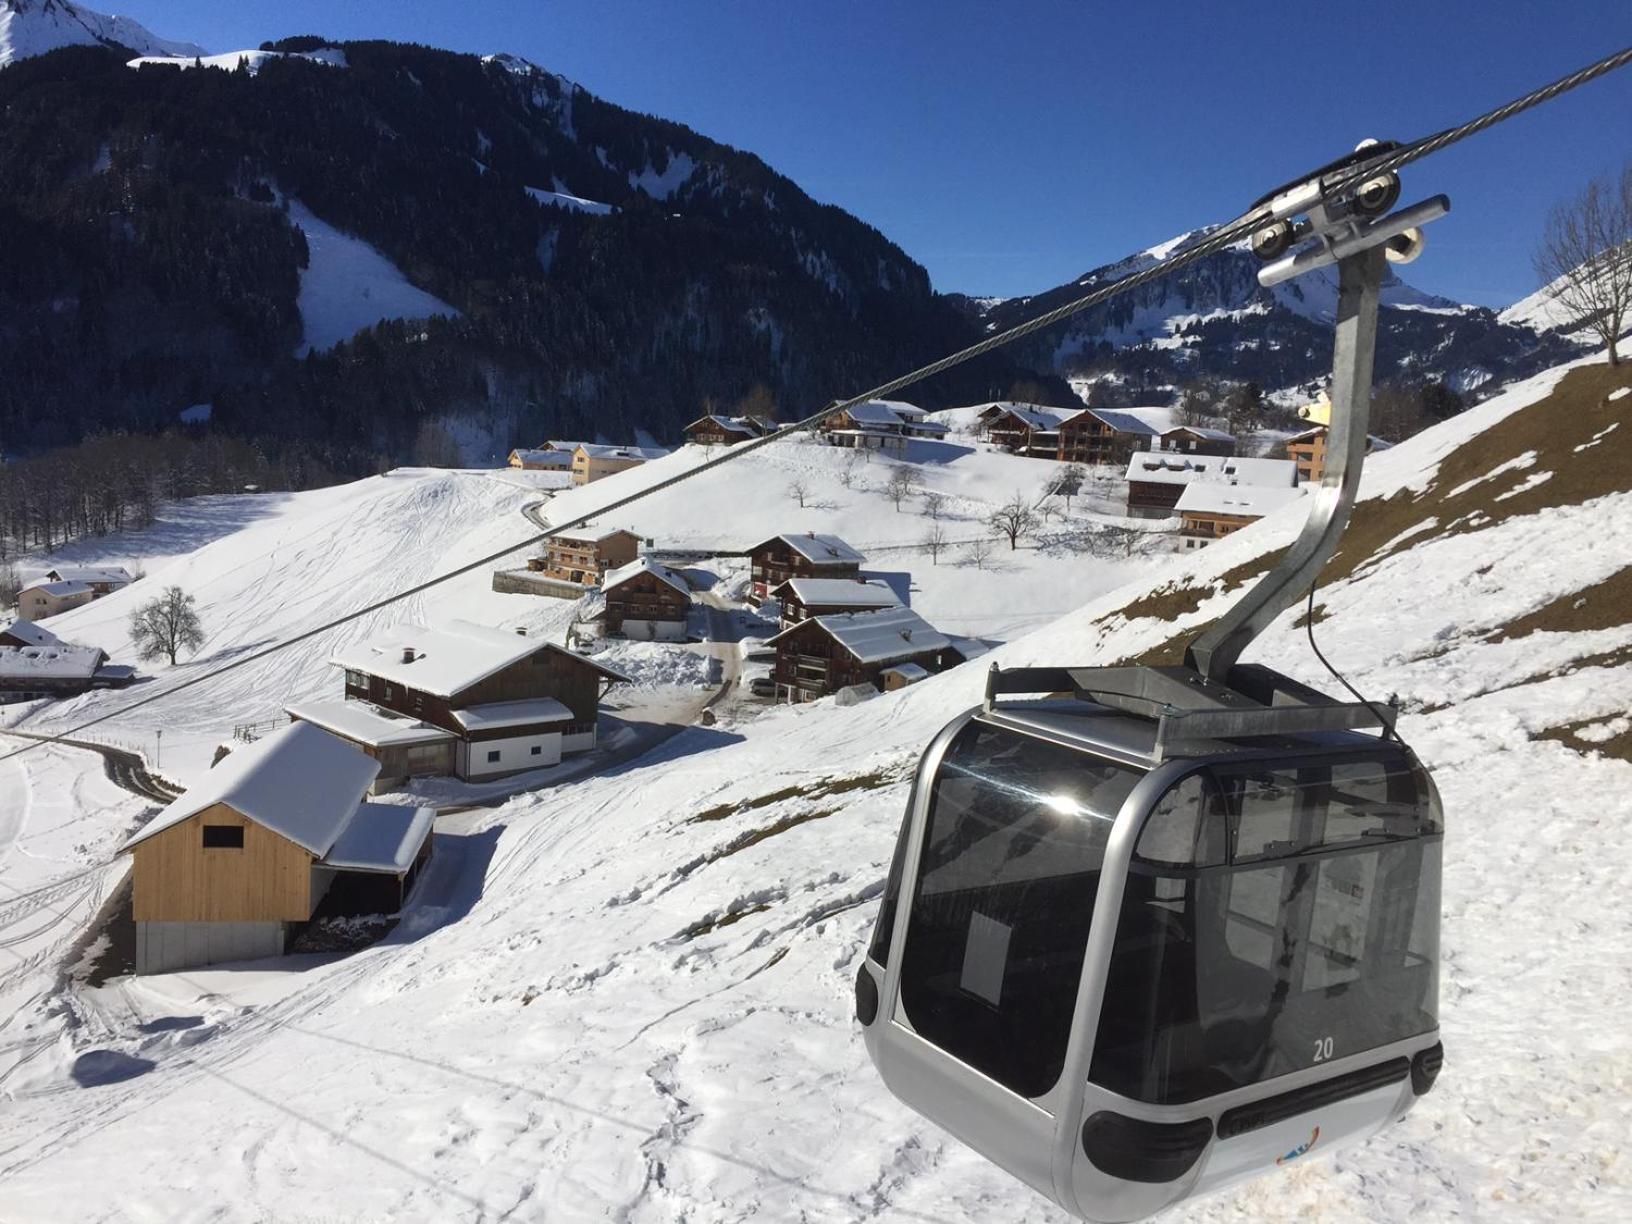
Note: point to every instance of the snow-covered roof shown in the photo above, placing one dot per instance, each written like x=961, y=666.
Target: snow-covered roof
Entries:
x=60, y=661
x=62, y=590
x=910, y=672
x=30, y=633
x=1209, y=497
x=1169, y=467
x=817, y=548
x=1123, y=422
x=748, y=427
x=1373, y=442
x=592, y=535
x=300, y=782
x=878, y=637
x=640, y=453
x=88, y=573
x=366, y=723
x=447, y=660
x=644, y=565
x=564, y=444
x=383, y=837
x=1203, y=431
x=876, y=412
x=547, y=458
x=1036, y=416
x=840, y=592
x=511, y=714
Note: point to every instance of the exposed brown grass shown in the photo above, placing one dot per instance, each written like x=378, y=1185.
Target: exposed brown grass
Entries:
x=1618, y=746
x=1604, y=605
x=813, y=791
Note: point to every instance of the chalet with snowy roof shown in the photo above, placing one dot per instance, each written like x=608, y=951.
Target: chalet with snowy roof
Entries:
x=881, y=425
x=583, y=555
x=824, y=654
x=810, y=555
x=35, y=664
x=46, y=598
x=1308, y=451
x=714, y=430
x=1209, y=511
x=645, y=601
x=1157, y=479
x=1025, y=429
x=1198, y=440
x=592, y=462
x=529, y=459
x=275, y=835
x=463, y=699
x=102, y=579
x=802, y=598
x=1104, y=436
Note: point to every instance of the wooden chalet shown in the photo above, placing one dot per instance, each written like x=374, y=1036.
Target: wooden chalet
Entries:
x=1025, y=429
x=275, y=835
x=464, y=700
x=881, y=425
x=645, y=601
x=713, y=430
x=50, y=667
x=102, y=579
x=1210, y=511
x=811, y=555
x=1198, y=440
x=802, y=598
x=824, y=654
x=1103, y=436
x=1308, y=451
x=584, y=555
x=1157, y=479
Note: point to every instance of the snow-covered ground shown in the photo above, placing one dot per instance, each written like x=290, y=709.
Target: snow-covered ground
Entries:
x=347, y=285
x=630, y=998
x=29, y=29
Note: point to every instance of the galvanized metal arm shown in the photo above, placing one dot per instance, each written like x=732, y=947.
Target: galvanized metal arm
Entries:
x=1215, y=651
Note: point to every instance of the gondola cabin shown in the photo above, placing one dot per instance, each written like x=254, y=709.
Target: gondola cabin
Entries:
x=1131, y=959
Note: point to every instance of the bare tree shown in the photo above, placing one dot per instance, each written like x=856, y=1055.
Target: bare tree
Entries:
x=434, y=447
x=799, y=491
x=166, y=626
x=903, y=480
x=10, y=584
x=1585, y=257
x=1013, y=519
x=935, y=543
x=934, y=504
x=848, y=475
x=980, y=551
x=1068, y=482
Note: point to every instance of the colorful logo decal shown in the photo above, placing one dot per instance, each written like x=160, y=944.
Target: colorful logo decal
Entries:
x=1300, y=1149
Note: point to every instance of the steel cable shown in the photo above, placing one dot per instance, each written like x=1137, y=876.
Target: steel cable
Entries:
x=1215, y=241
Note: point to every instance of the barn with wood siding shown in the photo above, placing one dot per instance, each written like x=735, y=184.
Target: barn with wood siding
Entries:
x=824, y=654
x=241, y=862
x=811, y=555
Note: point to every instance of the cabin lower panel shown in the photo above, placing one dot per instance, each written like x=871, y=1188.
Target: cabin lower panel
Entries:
x=165, y=946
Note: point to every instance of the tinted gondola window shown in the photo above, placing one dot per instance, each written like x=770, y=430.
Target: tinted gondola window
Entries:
x=1007, y=876
x=1274, y=919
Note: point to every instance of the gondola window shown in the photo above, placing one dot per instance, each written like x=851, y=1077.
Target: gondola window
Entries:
x=1007, y=876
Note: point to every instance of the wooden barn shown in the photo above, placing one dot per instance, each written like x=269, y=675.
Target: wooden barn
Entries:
x=774, y=561
x=1157, y=479
x=802, y=598
x=824, y=654
x=507, y=701
x=239, y=863
x=645, y=601
x=1198, y=440
x=713, y=430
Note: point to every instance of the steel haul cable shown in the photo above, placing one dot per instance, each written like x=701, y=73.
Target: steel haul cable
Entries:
x=1224, y=236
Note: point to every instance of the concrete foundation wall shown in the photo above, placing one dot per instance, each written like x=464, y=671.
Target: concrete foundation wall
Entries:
x=526, y=582
x=164, y=946
x=578, y=743
x=655, y=631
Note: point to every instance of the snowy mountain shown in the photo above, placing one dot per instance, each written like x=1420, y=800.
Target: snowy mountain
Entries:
x=1214, y=318
x=34, y=27
x=631, y=998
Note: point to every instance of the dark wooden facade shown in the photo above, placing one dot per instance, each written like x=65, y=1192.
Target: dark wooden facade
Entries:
x=810, y=663
x=775, y=561
x=795, y=610
x=716, y=431
x=1153, y=499
x=583, y=559
x=1088, y=438
x=646, y=597
x=1187, y=441
x=547, y=672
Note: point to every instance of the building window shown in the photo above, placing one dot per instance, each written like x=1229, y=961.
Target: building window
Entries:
x=390, y=692
x=223, y=837
x=356, y=679
x=493, y=757
x=538, y=749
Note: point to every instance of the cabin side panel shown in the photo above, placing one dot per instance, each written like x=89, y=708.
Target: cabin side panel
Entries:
x=176, y=878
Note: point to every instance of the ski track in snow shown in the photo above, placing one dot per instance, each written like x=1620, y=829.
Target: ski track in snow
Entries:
x=545, y=1036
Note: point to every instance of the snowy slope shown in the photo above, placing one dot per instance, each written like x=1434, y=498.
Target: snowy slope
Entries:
x=250, y=60
x=631, y=999
x=347, y=285
x=33, y=27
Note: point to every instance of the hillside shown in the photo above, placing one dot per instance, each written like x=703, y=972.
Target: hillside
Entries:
x=342, y=244
x=631, y=998
x=1214, y=318
x=36, y=27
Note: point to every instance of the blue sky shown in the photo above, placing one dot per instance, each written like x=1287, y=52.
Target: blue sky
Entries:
x=1011, y=146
